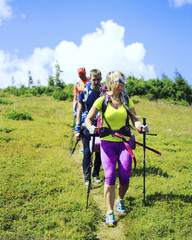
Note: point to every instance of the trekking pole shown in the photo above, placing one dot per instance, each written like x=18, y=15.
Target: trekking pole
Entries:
x=75, y=146
x=91, y=165
x=80, y=137
x=72, y=134
x=144, y=144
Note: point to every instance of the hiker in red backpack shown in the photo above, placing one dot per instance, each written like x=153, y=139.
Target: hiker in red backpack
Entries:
x=78, y=87
x=112, y=148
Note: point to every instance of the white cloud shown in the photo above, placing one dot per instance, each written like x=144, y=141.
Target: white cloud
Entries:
x=179, y=3
x=39, y=64
x=104, y=49
x=5, y=10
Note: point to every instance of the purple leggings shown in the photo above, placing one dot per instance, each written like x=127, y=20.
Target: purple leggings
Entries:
x=111, y=153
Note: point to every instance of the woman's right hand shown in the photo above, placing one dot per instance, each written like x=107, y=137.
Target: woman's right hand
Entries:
x=93, y=129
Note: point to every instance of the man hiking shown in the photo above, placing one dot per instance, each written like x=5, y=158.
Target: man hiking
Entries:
x=78, y=87
x=86, y=99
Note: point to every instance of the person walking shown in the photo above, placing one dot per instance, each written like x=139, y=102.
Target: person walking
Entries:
x=78, y=87
x=112, y=148
x=85, y=102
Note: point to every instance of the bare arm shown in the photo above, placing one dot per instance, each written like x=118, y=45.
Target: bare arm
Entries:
x=75, y=99
x=78, y=119
x=136, y=121
x=74, y=104
x=90, y=116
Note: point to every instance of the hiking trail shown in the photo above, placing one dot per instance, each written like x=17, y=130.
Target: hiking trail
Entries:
x=103, y=232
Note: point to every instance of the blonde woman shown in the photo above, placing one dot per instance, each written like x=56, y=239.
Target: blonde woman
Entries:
x=113, y=149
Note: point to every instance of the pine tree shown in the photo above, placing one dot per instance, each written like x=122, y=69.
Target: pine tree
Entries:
x=30, y=78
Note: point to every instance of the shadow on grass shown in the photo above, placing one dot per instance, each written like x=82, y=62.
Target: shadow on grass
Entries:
x=7, y=130
x=96, y=185
x=151, y=199
x=132, y=203
x=150, y=171
x=6, y=139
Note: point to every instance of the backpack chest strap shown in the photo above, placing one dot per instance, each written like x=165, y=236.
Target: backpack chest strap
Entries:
x=104, y=131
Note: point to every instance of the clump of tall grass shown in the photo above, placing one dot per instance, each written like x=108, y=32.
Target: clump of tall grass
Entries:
x=19, y=115
x=5, y=101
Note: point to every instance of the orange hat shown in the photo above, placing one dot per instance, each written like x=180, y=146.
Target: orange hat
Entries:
x=81, y=71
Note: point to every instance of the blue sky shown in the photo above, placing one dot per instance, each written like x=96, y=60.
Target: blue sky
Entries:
x=144, y=38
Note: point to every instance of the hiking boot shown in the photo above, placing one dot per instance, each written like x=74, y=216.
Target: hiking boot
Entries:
x=120, y=206
x=96, y=179
x=110, y=219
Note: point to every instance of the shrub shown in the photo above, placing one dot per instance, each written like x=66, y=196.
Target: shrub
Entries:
x=49, y=90
x=150, y=97
x=69, y=90
x=178, y=90
x=60, y=94
x=17, y=91
x=135, y=101
x=19, y=115
x=2, y=94
x=5, y=101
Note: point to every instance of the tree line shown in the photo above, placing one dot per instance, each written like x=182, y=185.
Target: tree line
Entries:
x=56, y=87
x=176, y=91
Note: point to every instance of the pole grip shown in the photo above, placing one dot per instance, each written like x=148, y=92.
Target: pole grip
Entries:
x=144, y=121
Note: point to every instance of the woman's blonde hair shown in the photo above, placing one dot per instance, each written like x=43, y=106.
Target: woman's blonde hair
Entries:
x=111, y=80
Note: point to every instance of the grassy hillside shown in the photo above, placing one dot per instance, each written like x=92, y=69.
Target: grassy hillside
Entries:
x=42, y=194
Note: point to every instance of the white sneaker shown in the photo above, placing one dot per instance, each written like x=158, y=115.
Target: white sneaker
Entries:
x=96, y=179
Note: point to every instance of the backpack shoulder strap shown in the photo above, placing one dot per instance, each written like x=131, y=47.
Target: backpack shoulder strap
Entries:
x=104, y=106
x=126, y=97
x=105, y=102
x=86, y=92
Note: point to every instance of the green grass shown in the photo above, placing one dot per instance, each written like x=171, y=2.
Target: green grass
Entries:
x=42, y=194
x=167, y=212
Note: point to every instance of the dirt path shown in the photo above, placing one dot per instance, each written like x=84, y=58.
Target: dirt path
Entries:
x=103, y=232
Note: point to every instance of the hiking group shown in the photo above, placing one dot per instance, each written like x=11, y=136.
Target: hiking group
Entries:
x=114, y=109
